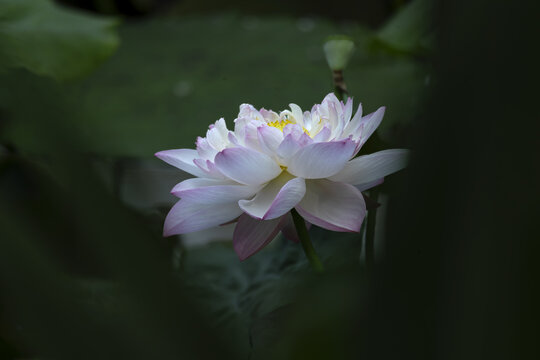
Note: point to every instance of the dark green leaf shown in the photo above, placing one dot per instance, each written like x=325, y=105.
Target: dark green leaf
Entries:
x=49, y=40
x=410, y=30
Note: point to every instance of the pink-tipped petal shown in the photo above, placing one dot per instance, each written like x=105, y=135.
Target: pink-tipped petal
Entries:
x=247, y=166
x=370, y=123
x=251, y=235
x=321, y=160
x=187, y=216
x=182, y=159
x=278, y=197
x=333, y=206
x=212, y=191
x=368, y=168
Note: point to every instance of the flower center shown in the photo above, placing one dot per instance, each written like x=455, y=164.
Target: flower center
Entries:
x=279, y=124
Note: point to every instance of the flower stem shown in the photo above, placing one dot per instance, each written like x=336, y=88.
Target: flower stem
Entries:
x=309, y=250
x=370, y=231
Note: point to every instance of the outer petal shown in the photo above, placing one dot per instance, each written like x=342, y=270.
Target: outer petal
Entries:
x=247, y=166
x=369, y=124
x=211, y=191
x=182, y=159
x=321, y=160
x=251, y=235
x=275, y=199
x=188, y=216
x=368, y=168
x=333, y=206
x=369, y=185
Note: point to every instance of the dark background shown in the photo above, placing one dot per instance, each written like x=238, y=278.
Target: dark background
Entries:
x=85, y=273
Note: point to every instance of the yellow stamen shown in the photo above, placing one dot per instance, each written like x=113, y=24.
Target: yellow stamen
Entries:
x=279, y=124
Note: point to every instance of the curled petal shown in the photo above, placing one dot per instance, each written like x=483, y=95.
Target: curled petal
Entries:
x=247, y=166
x=212, y=191
x=182, y=159
x=297, y=114
x=368, y=168
x=333, y=206
x=321, y=160
x=251, y=235
x=278, y=197
x=188, y=216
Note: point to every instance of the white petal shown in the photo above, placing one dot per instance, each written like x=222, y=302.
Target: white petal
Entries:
x=187, y=216
x=251, y=235
x=367, y=168
x=269, y=138
x=297, y=114
x=247, y=166
x=217, y=135
x=347, y=110
x=354, y=124
x=182, y=159
x=369, y=124
x=369, y=185
x=322, y=135
x=249, y=112
x=278, y=197
x=333, y=206
x=321, y=160
x=212, y=191
x=205, y=150
x=288, y=147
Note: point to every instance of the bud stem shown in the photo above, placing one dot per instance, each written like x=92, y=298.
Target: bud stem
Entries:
x=309, y=250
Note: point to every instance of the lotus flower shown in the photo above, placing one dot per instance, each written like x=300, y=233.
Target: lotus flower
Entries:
x=272, y=163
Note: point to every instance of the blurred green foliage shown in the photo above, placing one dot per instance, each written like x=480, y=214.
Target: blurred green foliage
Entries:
x=49, y=40
x=411, y=30
x=171, y=78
